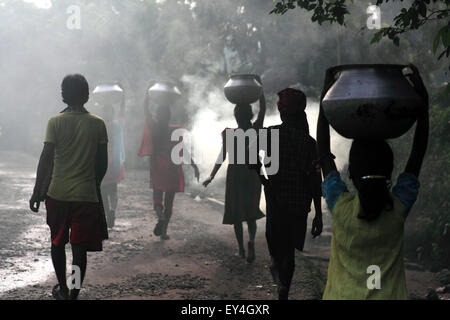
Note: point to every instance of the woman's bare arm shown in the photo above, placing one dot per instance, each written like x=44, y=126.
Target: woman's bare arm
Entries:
x=262, y=111
x=323, y=131
x=420, y=141
x=220, y=159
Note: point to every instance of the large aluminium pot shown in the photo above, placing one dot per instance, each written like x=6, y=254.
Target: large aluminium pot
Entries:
x=243, y=89
x=164, y=92
x=373, y=101
x=108, y=94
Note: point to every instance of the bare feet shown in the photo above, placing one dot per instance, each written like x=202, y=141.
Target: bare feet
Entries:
x=242, y=252
x=283, y=293
x=158, y=229
x=60, y=294
x=164, y=237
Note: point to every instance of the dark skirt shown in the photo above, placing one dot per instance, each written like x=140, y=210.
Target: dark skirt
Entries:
x=285, y=229
x=242, y=195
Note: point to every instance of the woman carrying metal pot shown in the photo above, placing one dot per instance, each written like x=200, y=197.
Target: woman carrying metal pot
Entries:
x=366, y=259
x=243, y=187
x=166, y=177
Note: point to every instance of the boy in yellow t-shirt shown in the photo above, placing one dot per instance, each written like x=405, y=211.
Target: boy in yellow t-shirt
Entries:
x=75, y=155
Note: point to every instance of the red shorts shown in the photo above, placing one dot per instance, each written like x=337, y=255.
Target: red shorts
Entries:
x=79, y=222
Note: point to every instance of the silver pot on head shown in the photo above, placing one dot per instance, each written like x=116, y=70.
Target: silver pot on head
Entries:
x=372, y=101
x=243, y=89
x=164, y=93
x=108, y=93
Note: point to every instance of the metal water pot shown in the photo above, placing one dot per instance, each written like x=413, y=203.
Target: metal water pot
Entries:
x=164, y=92
x=373, y=101
x=243, y=88
x=108, y=94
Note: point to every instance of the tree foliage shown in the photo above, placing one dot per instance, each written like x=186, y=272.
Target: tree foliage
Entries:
x=418, y=14
x=428, y=228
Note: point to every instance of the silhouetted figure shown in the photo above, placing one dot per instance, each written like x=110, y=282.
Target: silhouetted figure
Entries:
x=166, y=177
x=366, y=259
x=291, y=190
x=243, y=188
x=76, y=146
x=116, y=159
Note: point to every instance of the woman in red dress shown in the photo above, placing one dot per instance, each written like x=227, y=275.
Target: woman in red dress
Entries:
x=243, y=187
x=166, y=177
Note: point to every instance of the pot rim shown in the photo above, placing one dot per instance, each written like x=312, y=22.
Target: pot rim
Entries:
x=255, y=76
x=152, y=82
x=168, y=83
x=110, y=84
x=342, y=67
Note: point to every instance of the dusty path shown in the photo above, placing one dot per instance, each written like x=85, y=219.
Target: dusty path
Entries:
x=198, y=262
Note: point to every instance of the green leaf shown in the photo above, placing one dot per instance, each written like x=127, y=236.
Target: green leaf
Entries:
x=447, y=90
x=445, y=36
x=436, y=41
x=376, y=37
x=396, y=41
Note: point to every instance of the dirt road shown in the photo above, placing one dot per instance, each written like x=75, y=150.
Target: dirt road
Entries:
x=199, y=261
